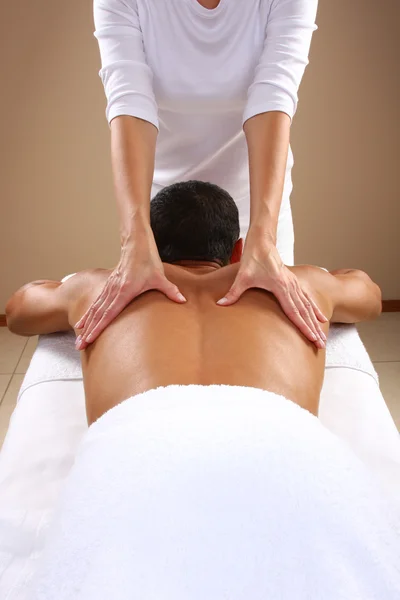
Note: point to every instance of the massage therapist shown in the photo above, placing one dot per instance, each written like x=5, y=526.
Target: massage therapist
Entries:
x=204, y=89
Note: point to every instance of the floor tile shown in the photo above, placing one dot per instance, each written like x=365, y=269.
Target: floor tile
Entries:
x=11, y=348
x=27, y=354
x=389, y=380
x=8, y=404
x=4, y=381
x=382, y=337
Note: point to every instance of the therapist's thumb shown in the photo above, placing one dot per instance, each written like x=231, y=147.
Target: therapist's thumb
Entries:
x=232, y=296
x=171, y=291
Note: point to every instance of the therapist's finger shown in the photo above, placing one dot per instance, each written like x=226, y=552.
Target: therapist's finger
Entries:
x=84, y=320
x=96, y=306
x=310, y=305
x=83, y=340
x=319, y=314
x=304, y=307
x=81, y=323
x=292, y=312
x=114, y=298
x=105, y=318
x=101, y=305
x=88, y=316
x=164, y=285
x=239, y=286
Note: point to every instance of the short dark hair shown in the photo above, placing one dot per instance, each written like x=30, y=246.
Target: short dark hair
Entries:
x=194, y=220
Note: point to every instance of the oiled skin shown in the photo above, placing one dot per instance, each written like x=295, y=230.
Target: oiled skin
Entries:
x=157, y=342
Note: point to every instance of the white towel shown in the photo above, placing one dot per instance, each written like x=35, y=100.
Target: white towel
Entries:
x=211, y=492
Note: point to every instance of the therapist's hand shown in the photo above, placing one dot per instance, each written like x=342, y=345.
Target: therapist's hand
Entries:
x=262, y=267
x=140, y=269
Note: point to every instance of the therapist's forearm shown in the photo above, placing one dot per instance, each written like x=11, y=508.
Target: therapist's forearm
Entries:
x=267, y=136
x=133, y=145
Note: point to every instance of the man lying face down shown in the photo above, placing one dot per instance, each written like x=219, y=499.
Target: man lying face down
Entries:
x=209, y=491
x=156, y=342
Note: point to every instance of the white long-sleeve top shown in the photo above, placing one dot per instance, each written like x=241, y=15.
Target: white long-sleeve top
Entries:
x=198, y=74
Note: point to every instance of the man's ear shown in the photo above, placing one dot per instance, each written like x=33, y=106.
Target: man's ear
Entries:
x=237, y=252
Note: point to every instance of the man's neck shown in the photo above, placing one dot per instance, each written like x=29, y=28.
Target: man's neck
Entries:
x=198, y=264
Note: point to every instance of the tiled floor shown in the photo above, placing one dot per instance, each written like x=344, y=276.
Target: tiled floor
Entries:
x=15, y=356
x=381, y=337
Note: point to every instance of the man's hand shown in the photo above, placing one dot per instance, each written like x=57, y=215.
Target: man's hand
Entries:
x=262, y=267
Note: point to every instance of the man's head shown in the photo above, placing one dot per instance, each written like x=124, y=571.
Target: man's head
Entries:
x=195, y=220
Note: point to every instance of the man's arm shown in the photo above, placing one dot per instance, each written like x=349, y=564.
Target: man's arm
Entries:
x=350, y=295
x=37, y=308
x=355, y=296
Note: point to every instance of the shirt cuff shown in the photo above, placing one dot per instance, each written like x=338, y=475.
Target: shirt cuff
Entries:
x=116, y=110
x=252, y=111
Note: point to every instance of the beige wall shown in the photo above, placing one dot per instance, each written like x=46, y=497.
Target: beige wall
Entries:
x=346, y=142
x=57, y=205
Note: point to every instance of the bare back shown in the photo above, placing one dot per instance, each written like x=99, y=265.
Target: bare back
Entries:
x=157, y=342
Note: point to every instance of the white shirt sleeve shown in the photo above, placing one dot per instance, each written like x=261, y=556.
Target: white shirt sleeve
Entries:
x=284, y=58
x=126, y=77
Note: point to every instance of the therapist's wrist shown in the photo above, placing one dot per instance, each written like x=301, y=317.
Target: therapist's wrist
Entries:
x=263, y=234
x=137, y=228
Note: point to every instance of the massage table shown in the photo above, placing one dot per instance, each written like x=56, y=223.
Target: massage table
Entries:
x=49, y=422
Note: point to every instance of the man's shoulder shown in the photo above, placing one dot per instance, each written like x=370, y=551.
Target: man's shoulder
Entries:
x=312, y=274
x=82, y=282
x=311, y=269
x=85, y=275
x=319, y=283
